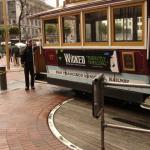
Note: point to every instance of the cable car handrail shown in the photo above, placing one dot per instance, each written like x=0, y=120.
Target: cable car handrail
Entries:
x=126, y=84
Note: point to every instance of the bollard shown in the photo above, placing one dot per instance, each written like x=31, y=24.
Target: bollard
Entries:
x=98, y=95
x=98, y=103
x=3, y=80
x=98, y=86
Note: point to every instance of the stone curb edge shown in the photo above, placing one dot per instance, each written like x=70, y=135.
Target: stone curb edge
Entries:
x=56, y=132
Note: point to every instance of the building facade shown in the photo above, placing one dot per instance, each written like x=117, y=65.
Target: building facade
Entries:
x=28, y=27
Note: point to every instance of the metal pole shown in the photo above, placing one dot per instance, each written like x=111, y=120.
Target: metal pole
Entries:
x=5, y=17
x=148, y=39
x=102, y=131
x=127, y=85
x=40, y=41
x=127, y=128
x=102, y=117
x=33, y=53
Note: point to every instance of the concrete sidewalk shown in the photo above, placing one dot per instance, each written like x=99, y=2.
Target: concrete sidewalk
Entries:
x=13, y=67
x=15, y=76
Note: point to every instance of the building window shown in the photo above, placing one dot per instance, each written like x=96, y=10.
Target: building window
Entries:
x=36, y=32
x=71, y=29
x=29, y=31
x=28, y=22
x=32, y=31
x=39, y=23
x=13, y=21
x=36, y=22
x=96, y=29
x=128, y=22
x=51, y=31
x=31, y=21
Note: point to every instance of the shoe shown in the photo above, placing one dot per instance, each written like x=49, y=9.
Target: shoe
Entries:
x=33, y=88
x=26, y=88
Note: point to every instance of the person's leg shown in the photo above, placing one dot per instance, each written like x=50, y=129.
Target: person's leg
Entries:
x=18, y=61
x=14, y=60
x=32, y=76
x=26, y=72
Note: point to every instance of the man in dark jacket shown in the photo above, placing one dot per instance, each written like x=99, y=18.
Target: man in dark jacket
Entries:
x=27, y=63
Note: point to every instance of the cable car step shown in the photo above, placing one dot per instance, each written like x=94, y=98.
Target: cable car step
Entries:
x=41, y=76
x=146, y=104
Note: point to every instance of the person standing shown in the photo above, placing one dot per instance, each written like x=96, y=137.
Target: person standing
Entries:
x=27, y=63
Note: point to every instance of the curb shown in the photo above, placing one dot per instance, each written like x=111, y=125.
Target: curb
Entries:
x=55, y=132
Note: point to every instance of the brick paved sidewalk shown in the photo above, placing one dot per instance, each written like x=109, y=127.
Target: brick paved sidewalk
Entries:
x=23, y=120
x=23, y=116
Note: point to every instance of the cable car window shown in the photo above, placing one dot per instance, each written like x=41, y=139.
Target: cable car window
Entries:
x=71, y=29
x=51, y=31
x=128, y=23
x=96, y=27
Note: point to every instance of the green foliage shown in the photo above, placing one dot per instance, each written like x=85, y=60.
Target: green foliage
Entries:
x=50, y=29
x=2, y=31
x=67, y=28
x=118, y=28
x=14, y=31
x=102, y=27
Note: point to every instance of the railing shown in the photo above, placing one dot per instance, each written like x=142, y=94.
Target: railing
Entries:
x=98, y=85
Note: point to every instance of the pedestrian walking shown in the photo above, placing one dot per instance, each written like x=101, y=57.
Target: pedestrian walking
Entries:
x=27, y=63
x=16, y=55
x=10, y=54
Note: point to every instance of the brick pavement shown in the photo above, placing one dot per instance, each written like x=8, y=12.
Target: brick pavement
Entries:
x=23, y=116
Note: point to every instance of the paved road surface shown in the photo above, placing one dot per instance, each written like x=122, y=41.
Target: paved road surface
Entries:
x=75, y=122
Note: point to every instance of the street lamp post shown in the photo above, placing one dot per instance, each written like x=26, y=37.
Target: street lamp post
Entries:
x=5, y=17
